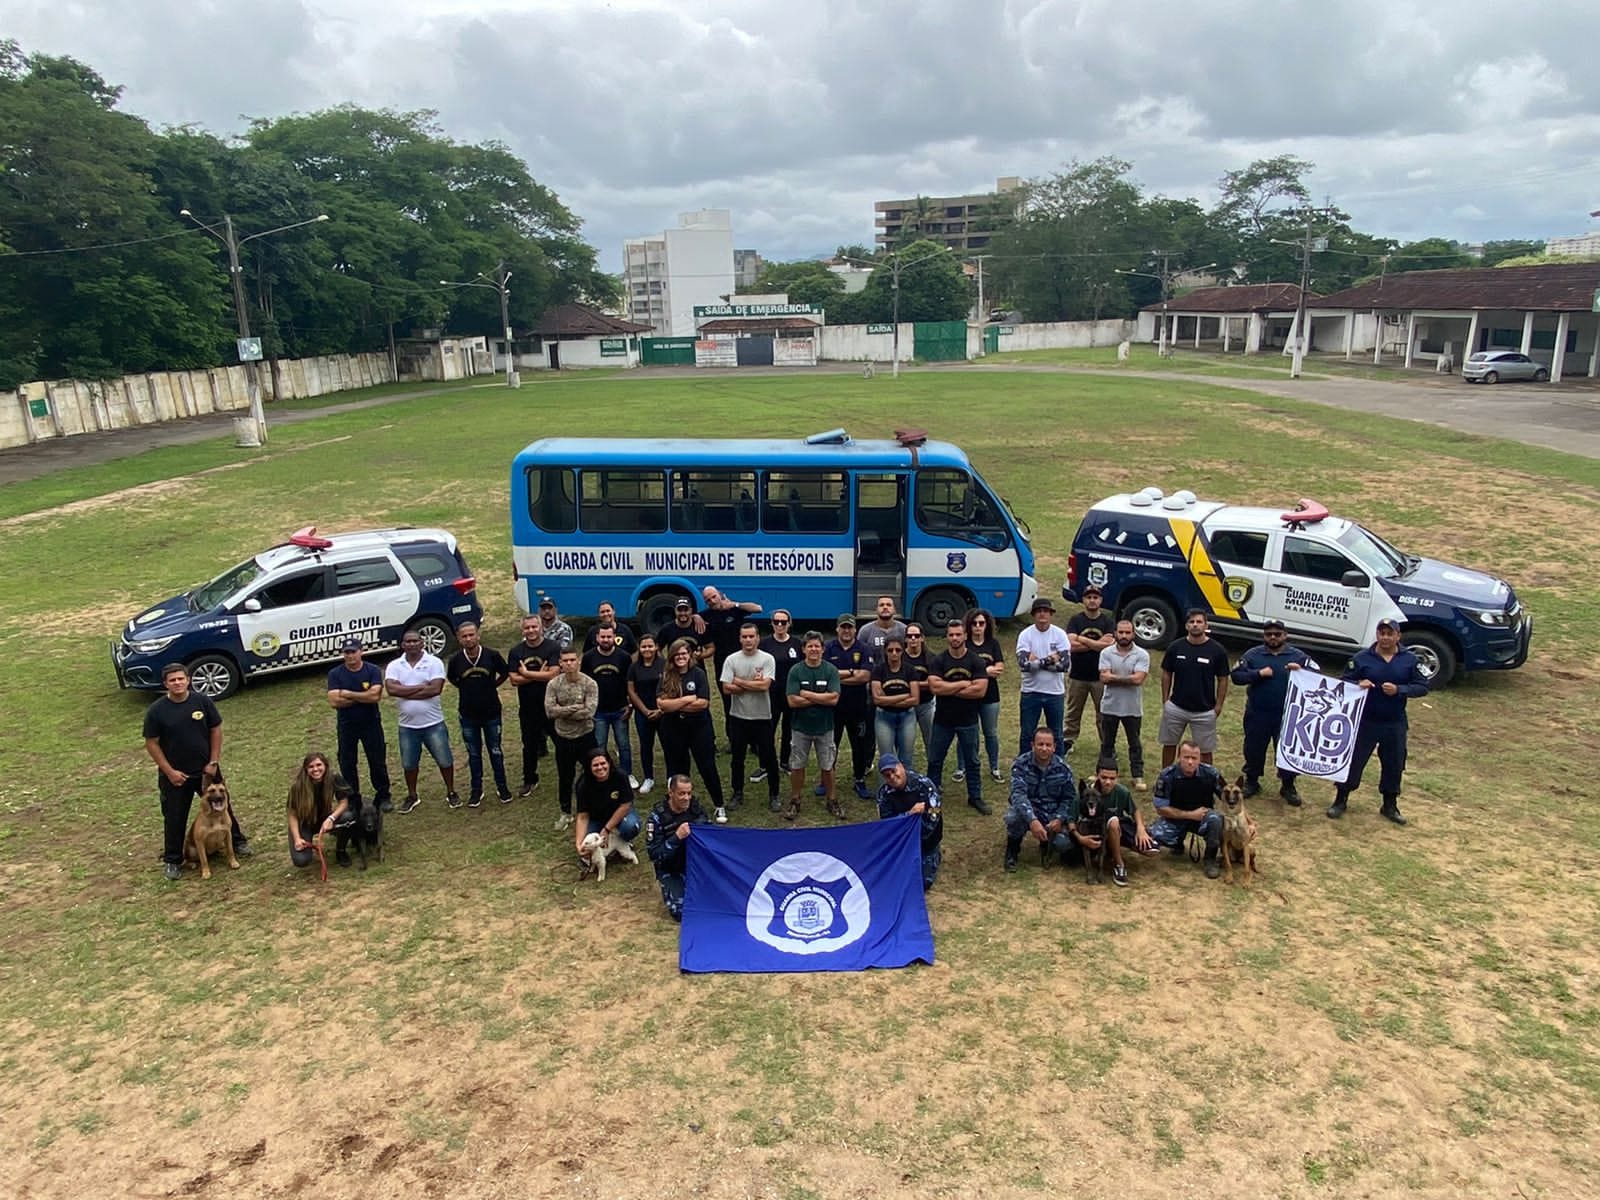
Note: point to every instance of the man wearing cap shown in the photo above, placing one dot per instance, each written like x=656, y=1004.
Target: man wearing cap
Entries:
x=905, y=793
x=1089, y=632
x=355, y=689
x=685, y=626
x=852, y=717
x=1390, y=674
x=1263, y=671
x=557, y=630
x=605, y=617
x=1042, y=651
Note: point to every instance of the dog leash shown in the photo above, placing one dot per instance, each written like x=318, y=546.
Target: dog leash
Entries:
x=322, y=860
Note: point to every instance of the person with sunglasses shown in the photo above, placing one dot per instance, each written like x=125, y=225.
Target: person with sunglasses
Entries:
x=984, y=641
x=786, y=651
x=894, y=701
x=917, y=659
x=1263, y=671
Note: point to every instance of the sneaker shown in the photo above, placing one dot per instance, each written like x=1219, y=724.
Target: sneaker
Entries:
x=1213, y=869
x=408, y=804
x=453, y=799
x=721, y=817
x=473, y=801
x=736, y=800
x=836, y=810
x=633, y=782
x=172, y=871
x=646, y=787
x=241, y=848
x=819, y=790
x=961, y=776
x=982, y=805
x=1139, y=784
x=505, y=796
x=1290, y=795
x=525, y=791
x=386, y=805
x=861, y=789
x=1011, y=860
x=342, y=857
x=1119, y=876
x=994, y=774
x=791, y=810
x=563, y=821
x=774, y=804
x=758, y=777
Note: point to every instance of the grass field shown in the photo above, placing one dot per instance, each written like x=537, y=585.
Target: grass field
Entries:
x=1389, y=1013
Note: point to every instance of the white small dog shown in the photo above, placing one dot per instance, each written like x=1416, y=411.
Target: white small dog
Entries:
x=598, y=847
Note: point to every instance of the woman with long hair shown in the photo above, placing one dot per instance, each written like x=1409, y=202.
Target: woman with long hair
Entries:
x=983, y=640
x=916, y=658
x=684, y=699
x=603, y=801
x=316, y=802
x=894, y=698
x=644, y=678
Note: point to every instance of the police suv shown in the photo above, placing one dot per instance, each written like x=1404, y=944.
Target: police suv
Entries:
x=292, y=606
x=1328, y=579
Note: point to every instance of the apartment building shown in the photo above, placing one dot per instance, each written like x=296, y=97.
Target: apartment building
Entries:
x=963, y=223
x=1582, y=245
x=664, y=277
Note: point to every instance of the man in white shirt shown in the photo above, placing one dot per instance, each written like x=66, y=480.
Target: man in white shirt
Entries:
x=416, y=680
x=747, y=677
x=1042, y=651
x=1123, y=669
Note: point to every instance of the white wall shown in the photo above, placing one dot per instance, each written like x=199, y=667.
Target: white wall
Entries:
x=718, y=350
x=794, y=352
x=1065, y=335
x=852, y=343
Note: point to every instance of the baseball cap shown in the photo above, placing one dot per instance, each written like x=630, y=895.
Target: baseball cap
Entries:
x=1389, y=623
x=683, y=602
x=1092, y=589
x=1042, y=604
x=350, y=643
x=888, y=762
x=845, y=619
x=547, y=602
x=1274, y=624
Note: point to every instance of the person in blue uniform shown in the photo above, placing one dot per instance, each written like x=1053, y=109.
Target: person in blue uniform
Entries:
x=1391, y=675
x=1042, y=795
x=1263, y=672
x=905, y=793
x=666, y=836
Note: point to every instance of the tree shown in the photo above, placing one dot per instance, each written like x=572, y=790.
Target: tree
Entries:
x=806, y=282
x=855, y=252
x=1429, y=254
x=1251, y=193
x=1494, y=253
x=932, y=287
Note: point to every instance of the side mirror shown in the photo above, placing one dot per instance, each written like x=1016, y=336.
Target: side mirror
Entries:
x=1355, y=579
x=253, y=605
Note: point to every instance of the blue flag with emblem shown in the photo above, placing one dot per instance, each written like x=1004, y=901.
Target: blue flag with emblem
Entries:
x=840, y=898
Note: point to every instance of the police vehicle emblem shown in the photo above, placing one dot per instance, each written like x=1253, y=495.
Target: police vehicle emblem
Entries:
x=808, y=903
x=955, y=562
x=264, y=645
x=1238, y=589
x=1098, y=574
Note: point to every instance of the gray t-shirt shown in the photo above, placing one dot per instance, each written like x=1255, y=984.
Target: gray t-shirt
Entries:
x=878, y=637
x=750, y=706
x=1123, y=701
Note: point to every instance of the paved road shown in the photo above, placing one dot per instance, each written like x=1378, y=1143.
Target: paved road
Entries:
x=1560, y=417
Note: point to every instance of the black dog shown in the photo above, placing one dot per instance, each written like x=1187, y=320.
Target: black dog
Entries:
x=1091, y=822
x=361, y=827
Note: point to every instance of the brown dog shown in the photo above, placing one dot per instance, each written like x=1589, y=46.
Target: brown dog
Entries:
x=212, y=829
x=1238, y=834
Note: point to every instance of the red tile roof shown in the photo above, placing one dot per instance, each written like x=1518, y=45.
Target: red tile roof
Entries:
x=1250, y=297
x=580, y=320
x=1568, y=287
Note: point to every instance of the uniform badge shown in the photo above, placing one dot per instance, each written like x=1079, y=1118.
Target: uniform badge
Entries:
x=1238, y=589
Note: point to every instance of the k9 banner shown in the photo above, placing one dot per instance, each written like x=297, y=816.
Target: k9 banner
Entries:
x=1318, y=736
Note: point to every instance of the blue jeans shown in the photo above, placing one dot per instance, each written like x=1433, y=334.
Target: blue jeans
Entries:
x=473, y=735
x=896, y=731
x=989, y=717
x=435, y=737
x=608, y=723
x=1171, y=834
x=966, y=740
x=1034, y=706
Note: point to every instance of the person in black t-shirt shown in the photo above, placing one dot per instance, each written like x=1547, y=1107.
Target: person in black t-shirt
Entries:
x=895, y=694
x=477, y=671
x=852, y=717
x=983, y=640
x=604, y=802
x=684, y=698
x=183, y=737
x=786, y=651
x=607, y=664
x=355, y=690
x=686, y=626
x=722, y=618
x=959, y=683
x=644, y=677
x=606, y=618
x=917, y=659
x=1194, y=683
x=533, y=662
x=1088, y=633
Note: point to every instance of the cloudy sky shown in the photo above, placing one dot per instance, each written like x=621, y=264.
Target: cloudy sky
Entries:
x=1456, y=118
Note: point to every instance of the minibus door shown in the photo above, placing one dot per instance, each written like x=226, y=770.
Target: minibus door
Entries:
x=880, y=535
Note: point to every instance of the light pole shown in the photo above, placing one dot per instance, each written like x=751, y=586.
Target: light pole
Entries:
x=1165, y=278
x=895, y=267
x=226, y=236
x=496, y=283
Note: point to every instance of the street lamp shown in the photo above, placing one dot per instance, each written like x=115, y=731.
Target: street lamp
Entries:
x=1165, y=279
x=258, y=416
x=896, y=266
x=497, y=283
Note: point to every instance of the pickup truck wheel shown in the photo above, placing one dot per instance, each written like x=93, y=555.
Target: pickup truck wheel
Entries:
x=1155, y=622
x=1435, y=655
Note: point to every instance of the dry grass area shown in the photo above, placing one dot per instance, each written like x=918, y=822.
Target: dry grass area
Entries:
x=1384, y=1013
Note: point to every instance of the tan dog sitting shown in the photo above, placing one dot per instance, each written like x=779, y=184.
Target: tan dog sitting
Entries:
x=597, y=847
x=211, y=832
x=1238, y=834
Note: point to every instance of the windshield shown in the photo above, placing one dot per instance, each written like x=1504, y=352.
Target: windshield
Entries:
x=1021, y=526
x=1372, y=552
x=208, y=595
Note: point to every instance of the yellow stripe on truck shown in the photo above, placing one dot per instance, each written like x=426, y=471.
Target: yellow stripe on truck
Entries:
x=1203, y=570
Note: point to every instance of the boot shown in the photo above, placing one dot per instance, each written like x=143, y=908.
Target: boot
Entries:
x=1252, y=787
x=1013, y=850
x=1341, y=797
x=1391, y=808
x=1290, y=794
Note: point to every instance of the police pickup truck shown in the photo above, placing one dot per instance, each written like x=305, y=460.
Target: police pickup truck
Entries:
x=1328, y=579
x=293, y=605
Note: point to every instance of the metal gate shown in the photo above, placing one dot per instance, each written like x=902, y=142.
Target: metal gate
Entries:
x=991, y=339
x=754, y=351
x=940, y=341
x=666, y=352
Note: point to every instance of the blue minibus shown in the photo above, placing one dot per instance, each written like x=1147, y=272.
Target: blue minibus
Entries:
x=818, y=525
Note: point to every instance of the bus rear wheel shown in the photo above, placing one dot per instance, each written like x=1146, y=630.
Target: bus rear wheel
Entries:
x=657, y=609
x=936, y=607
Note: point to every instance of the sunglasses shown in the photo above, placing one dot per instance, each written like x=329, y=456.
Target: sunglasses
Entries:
x=780, y=620
x=913, y=635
